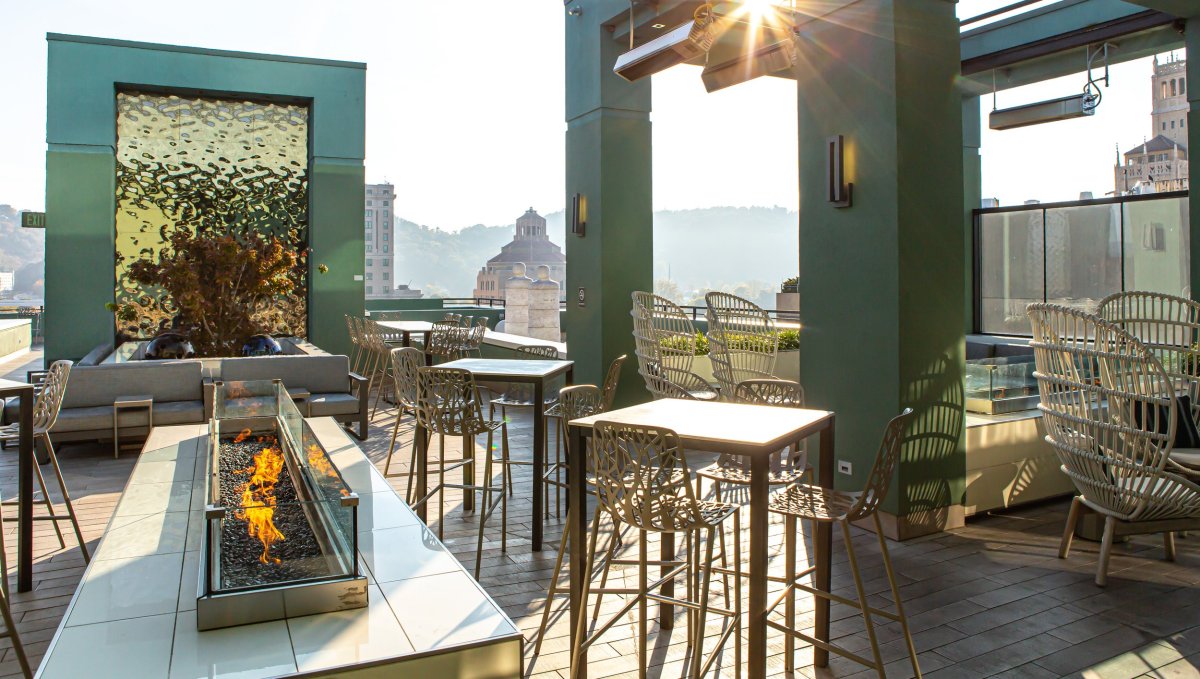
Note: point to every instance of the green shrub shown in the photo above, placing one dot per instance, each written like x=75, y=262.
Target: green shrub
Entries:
x=789, y=340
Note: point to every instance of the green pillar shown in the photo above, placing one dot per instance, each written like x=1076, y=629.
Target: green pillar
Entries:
x=882, y=283
x=608, y=164
x=972, y=198
x=1192, y=44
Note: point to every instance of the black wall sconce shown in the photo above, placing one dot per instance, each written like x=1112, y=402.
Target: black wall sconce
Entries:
x=578, y=215
x=838, y=191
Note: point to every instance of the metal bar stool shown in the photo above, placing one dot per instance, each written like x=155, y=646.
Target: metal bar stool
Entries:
x=405, y=363
x=448, y=405
x=643, y=481
x=45, y=413
x=521, y=396
x=826, y=505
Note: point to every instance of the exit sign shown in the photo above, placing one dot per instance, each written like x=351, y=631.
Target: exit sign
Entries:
x=33, y=220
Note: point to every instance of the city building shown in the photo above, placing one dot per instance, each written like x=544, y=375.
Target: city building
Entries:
x=379, y=235
x=531, y=246
x=1160, y=163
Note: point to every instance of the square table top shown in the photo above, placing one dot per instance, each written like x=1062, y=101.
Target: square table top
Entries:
x=508, y=368
x=13, y=387
x=408, y=326
x=738, y=428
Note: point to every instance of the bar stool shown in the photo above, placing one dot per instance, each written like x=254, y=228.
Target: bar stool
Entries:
x=405, y=363
x=555, y=412
x=447, y=405
x=45, y=413
x=10, y=627
x=826, y=505
x=352, y=331
x=521, y=396
x=643, y=481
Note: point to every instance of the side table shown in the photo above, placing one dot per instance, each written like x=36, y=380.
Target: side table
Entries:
x=124, y=403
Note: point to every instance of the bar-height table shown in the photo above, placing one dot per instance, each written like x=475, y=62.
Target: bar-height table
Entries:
x=409, y=328
x=25, y=462
x=513, y=371
x=753, y=431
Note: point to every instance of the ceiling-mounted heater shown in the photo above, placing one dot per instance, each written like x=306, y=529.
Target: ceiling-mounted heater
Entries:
x=765, y=60
x=682, y=43
x=1064, y=108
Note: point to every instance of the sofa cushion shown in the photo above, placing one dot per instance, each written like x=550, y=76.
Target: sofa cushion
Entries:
x=100, y=385
x=325, y=405
x=1011, y=350
x=318, y=374
x=99, y=418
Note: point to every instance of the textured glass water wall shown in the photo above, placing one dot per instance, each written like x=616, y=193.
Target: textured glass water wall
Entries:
x=212, y=167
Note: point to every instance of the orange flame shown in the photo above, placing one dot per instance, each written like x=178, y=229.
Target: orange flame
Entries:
x=242, y=436
x=258, y=500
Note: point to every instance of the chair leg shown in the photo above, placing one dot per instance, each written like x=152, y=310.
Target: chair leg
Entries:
x=862, y=598
x=1169, y=545
x=705, y=572
x=62, y=485
x=610, y=554
x=483, y=513
x=643, y=608
x=3, y=558
x=392, y=446
x=441, y=486
x=590, y=561
x=506, y=473
x=1064, y=547
x=891, y=576
x=737, y=595
x=558, y=561
x=14, y=636
x=41, y=479
x=789, y=605
x=1106, y=543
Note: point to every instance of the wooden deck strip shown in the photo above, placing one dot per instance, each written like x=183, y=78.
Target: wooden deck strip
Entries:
x=990, y=599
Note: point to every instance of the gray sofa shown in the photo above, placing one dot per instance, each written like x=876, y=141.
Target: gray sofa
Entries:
x=333, y=391
x=177, y=387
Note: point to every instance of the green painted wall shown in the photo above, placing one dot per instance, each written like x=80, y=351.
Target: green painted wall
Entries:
x=83, y=77
x=972, y=198
x=882, y=283
x=608, y=162
x=1192, y=42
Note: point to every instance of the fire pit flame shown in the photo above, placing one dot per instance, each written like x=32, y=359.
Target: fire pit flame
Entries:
x=242, y=436
x=258, y=498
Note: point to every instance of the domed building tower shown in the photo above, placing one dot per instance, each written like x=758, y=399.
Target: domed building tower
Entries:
x=531, y=246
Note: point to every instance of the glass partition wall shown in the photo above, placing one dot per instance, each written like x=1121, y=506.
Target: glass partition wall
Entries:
x=1075, y=254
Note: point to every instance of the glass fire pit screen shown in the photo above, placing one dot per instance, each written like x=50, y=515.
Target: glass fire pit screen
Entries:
x=281, y=523
x=193, y=168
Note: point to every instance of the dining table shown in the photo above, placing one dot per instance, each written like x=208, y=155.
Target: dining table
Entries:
x=754, y=432
x=539, y=373
x=409, y=328
x=24, y=392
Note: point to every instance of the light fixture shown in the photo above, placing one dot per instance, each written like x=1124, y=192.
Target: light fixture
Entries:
x=759, y=62
x=837, y=191
x=578, y=215
x=658, y=27
x=682, y=43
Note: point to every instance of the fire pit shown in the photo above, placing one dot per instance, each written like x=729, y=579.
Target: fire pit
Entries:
x=281, y=524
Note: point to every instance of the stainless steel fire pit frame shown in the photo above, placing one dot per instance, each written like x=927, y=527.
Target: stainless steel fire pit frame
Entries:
x=266, y=407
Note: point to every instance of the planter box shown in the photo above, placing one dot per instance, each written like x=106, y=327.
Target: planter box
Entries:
x=787, y=367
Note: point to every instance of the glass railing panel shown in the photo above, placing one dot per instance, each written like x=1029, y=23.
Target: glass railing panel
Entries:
x=1011, y=269
x=1158, y=246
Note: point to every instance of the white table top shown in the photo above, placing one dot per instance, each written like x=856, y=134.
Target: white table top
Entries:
x=726, y=427
x=509, y=367
x=408, y=326
x=14, y=386
x=133, y=614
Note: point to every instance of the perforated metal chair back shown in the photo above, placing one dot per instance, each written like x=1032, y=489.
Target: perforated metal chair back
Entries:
x=611, y=380
x=50, y=398
x=406, y=361
x=643, y=479
x=883, y=469
x=446, y=402
x=537, y=352
x=742, y=339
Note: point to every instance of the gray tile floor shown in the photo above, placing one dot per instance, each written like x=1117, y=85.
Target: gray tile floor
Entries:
x=990, y=599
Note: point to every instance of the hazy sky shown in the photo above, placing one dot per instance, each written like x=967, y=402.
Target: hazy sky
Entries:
x=474, y=132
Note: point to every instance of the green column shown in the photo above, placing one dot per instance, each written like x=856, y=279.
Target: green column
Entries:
x=336, y=205
x=972, y=198
x=1192, y=43
x=882, y=283
x=608, y=163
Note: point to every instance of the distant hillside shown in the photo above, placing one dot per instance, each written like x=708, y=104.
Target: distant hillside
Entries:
x=706, y=249
x=22, y=251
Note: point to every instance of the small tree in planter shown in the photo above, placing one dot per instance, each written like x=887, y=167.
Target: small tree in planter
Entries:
x=223, y=287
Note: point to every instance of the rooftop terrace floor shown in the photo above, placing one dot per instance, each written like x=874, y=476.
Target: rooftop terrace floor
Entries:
x=990, y=599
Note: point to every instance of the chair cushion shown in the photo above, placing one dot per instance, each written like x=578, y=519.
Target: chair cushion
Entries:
x=1186, y=434
x=100, y=385
x=99, y=418
x=318, y=374
x=1010, y=350
x=1188, y=457
x=324, y=405
x=977, y=350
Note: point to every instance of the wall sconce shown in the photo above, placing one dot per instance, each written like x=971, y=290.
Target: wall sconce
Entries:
x=837, y=191
x=578, y=215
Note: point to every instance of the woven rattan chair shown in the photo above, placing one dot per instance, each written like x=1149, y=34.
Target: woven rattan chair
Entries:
x=742, y=339
x=665, y=343
x=825, y=505
x=556, y=470
x=1169, y=327
x=447, y=405
x=405, y=363
x=643, y=481
x=1104, y=396
x=45, y=413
